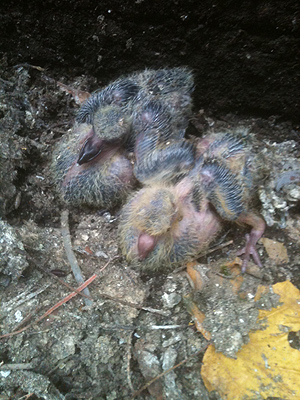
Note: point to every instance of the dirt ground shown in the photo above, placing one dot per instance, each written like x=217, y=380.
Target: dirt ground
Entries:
x=139, y=325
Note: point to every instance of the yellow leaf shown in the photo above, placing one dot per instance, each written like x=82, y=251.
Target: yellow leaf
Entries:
x=267, y=366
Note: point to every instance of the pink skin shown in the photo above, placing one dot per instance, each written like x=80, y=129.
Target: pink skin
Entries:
x=258, y=228
x=203, y=225
x=206, y=224
x=126, y=175
x=146, y=243
x=207, y=227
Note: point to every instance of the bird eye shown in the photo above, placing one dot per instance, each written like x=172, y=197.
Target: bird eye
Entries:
x=180, y=218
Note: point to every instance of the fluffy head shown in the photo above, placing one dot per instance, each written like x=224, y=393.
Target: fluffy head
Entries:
x=155, y=211
x=162, y=230
x=111, y=122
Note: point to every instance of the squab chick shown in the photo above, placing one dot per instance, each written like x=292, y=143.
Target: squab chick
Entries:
x=90, y=166
x=171, y=87
x=104, y=178
x=167, y=224
x=102, y=182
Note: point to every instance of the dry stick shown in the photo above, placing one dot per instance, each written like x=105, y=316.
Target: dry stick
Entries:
x=26, y=65
x=15, y=367
x=26, y=397
x=76, y=291
x=16, y=302
x=108, y=262
x=220, y=246
x=70, y=254
x=227, y=276
x=129, y=345
x=133, y=327
x=169, y=370
x=57, y=305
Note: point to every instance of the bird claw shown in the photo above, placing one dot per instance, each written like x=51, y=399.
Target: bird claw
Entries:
x=250, y=250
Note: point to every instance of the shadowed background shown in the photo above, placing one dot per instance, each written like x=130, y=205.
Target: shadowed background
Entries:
x=245, y=55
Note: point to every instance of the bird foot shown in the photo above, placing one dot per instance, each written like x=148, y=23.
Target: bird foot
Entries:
x=250, y=250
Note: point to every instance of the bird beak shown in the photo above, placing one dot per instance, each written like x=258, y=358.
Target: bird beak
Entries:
x=90, y=150
x=146, y=244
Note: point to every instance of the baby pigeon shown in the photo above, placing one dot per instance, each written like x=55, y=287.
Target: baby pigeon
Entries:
x=171, y=87
x=168, y=223
x=93, y=165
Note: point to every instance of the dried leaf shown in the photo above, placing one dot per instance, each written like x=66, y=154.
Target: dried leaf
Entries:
x=261, y=290
x=198, y=316
x=267, y=365
x=276, y=250
x=79, y=96
x=194, y=276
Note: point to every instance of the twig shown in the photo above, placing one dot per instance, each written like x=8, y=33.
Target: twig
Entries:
x=155, y=311
x=58, y=131
x=26, y=65
x=220, y=246
x=39, y=332
x=157, y=327
x=129, y=345
x=108, y=262
x=38, y=145
x=58, y=365
x=57, y=124
x=14, y=303
x=26, y=397
x=69, y=297
x=169, y=370
x=6, y=82
x=141, y=327
x=57, y=305
x=226, y=276
x=30, y=315
x=14, y=367
x=70, y=254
